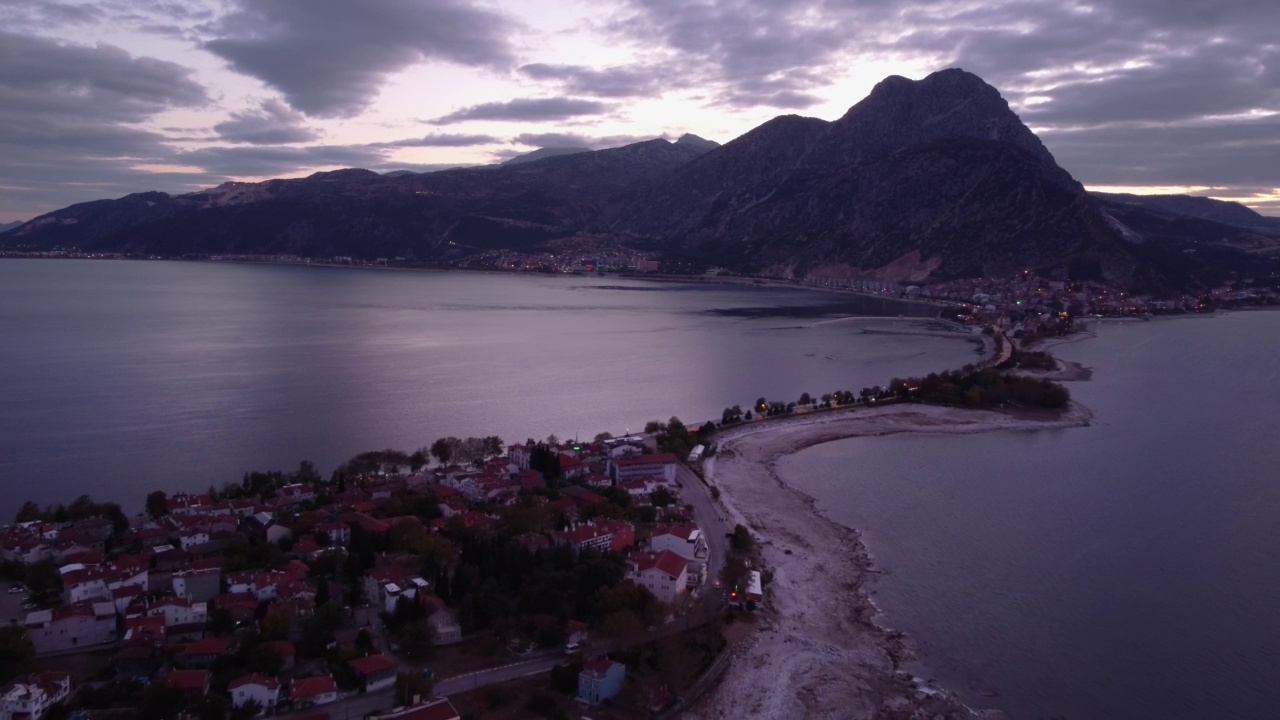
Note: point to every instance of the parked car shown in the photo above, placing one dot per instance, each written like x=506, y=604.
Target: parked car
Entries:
x=571, y=648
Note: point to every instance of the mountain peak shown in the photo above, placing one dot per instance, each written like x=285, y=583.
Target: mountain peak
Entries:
x=697, y=142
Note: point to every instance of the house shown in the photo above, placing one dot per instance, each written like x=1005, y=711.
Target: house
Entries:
x=664, y=573
x=575, y=632
x=661, y=466
x=442, y=621
x=600, y=680
x=203, y=653
x=687, y=541
x=83, y=625
x=193, y=683
x=311, y=691
x=615, y=535
x=434, y=709
x=375, y=671
x=181, y=616
x=30, y=697
x=286, y=651
x=257, y=688
x=198, y=585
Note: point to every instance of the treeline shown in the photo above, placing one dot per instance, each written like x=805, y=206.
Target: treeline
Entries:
x=980, y=389
x=83, y=508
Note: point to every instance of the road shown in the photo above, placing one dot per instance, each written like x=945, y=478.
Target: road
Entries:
x=714, y=527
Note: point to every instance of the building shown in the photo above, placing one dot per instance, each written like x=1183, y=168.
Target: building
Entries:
x=687, y=541
x=30, y=697
x=72, y=627
x=258, y=688
x=665, y=574
x=755, y=591
x=181, y=616
x=308, y=692
x=640, y=467
x=193, y=683
x=601, y=679
x=198, y=585
x=375, y=671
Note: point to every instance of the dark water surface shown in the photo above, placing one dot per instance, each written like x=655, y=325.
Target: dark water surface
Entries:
x=121, y=377
x=1126, y=570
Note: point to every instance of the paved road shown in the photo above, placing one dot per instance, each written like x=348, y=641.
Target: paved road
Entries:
x=708, y=516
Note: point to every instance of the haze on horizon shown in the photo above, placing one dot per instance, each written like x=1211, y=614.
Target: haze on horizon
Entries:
x=101, y=99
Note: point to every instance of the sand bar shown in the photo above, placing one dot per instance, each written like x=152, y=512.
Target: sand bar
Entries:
x=818, y=652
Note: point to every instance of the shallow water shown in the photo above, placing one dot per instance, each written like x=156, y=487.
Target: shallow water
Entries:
x=1124, y=570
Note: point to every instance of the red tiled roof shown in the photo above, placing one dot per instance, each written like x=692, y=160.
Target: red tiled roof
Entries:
x=312, y=686
x=665, y=561
x=372, y=664
x=187, y=679
x=207, y=646
x=597, y=667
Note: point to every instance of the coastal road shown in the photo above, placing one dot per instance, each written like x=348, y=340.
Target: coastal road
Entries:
x=358, y=705
x=714, y=527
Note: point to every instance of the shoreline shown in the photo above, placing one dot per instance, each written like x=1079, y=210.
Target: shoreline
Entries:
x=819, y=650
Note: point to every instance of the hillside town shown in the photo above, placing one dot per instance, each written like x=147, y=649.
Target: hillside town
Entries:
x=408, y=586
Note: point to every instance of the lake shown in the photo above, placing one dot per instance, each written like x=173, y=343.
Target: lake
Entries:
x=1125, y=570
x=120, y=377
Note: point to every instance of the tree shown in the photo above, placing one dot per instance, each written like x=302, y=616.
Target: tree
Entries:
x=157, y=503
x=601, y=437
x=411, y=686
x=417, y=640
x=247, y=710
x=805, y=399
x=15, y=653
x=29, y=512
x=443, y=449
x=552, y=440
x=418, y=459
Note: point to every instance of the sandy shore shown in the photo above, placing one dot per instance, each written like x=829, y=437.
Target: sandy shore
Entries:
x=819, y=652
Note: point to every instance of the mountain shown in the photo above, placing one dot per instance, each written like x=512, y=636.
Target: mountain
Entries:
x=1191, y=206
x=922, y=180
x=6, y=227
x=545, y=152
x=929, y=178
x=426, y=216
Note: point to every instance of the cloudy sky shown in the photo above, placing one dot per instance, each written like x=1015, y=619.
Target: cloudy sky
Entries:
x=100, y=99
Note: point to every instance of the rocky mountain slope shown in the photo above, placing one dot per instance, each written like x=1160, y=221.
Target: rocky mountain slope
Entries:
x=939, y=172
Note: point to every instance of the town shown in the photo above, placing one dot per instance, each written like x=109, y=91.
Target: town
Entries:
x=407, y=586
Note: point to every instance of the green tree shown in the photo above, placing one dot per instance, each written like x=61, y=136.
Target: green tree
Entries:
x=805, y=399
x=16, y=654
x=157, y=503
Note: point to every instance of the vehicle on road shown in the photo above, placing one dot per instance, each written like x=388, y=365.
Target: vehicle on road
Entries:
x=571, y=648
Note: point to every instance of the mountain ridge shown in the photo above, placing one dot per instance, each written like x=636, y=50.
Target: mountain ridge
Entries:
x=921, y=180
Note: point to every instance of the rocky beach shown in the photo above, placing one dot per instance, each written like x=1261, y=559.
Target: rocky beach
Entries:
x=818, y=651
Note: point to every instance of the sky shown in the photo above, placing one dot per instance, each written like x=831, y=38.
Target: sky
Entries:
x=104, y=98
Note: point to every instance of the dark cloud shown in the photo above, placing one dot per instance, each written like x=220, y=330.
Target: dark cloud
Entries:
x=69, y=118
x=526, y=110
x=331, y=57
x=273, y=123
x=441, y=140
x=756, y=52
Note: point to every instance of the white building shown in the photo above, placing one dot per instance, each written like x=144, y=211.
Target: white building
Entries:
x=665, y=574
x=262, y=689
x=687, y=541
x=72, y=627
x=30, y=697
x=639, y=467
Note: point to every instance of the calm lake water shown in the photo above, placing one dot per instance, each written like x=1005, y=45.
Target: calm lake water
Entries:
x=1130, y=569
x=117, y=378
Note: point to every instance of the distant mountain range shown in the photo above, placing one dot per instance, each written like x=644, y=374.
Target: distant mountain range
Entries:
x=6, y=227
x=927, y=179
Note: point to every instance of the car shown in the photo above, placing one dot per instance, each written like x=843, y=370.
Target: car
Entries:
x=571, y=648
x=14, y=590
x=29, y=606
